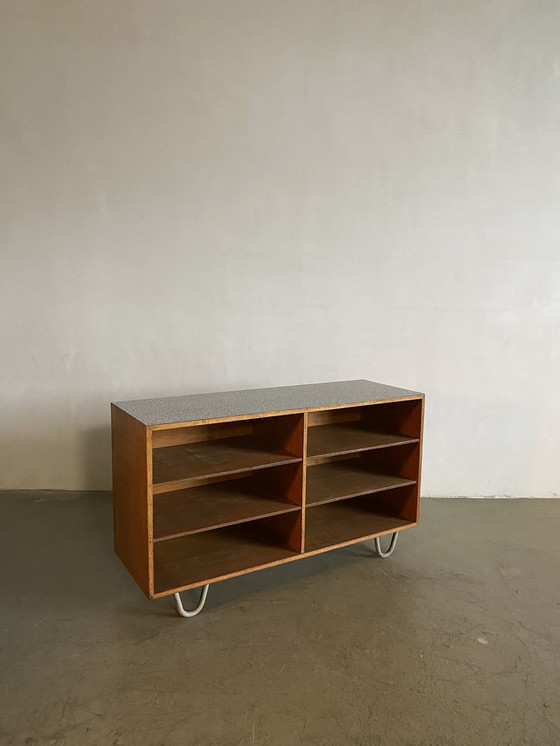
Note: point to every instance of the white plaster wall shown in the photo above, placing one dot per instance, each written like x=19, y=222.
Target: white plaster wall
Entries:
x=220, y=194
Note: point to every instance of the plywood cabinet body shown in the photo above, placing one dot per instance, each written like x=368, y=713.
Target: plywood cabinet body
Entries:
x=211, y=486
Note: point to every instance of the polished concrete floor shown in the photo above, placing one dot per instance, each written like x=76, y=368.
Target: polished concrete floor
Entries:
x=454, y=640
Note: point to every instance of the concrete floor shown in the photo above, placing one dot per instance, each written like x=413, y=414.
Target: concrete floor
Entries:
x=453, y=640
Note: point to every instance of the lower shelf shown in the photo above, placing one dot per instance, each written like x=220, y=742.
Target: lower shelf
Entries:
x=196, y=559
x=216, y=554
x=346, y=521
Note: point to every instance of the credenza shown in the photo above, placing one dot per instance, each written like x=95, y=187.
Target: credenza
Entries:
x=211, y=486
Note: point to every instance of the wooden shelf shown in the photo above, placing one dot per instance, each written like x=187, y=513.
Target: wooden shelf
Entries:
x=343, y=479
x=214, y=505
x=335, y=440
x=207, y=487
x=175, y=465
x=216, y=554
x=348, y=521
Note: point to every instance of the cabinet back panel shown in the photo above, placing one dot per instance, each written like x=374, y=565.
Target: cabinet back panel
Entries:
x=399, y=418
x=403, y=461
x=334, y=416
x=198, y=433
x=401, y=502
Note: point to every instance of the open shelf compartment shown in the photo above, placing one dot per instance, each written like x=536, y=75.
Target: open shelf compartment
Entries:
x=266, y=492
x=339, y=432
x=347, y=521
x=192, y=560
x=339, y=480
x=186, y=455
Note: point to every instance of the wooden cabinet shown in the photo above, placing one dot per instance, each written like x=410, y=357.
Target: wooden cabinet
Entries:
x=210, y=486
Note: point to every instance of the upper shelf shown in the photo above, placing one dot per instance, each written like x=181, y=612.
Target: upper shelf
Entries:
x=175, y=466
x=336, y=440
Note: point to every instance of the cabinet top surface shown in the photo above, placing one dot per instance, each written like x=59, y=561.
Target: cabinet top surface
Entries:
x=232, y=404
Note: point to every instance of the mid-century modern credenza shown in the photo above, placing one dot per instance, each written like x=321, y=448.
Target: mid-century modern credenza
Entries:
x=210, y=486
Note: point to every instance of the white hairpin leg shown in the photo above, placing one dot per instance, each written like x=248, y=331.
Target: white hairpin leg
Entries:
x=391, y=548
x=197, y=609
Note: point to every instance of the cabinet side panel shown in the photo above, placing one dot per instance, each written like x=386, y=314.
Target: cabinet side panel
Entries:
x=131, y=522
x=304, y=480
x=420, y=455
x=412, y=466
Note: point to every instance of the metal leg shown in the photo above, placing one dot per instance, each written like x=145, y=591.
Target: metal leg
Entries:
x=391, y=548
x=197, y=609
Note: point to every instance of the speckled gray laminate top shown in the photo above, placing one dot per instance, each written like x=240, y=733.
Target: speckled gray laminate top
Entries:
x=172, y=409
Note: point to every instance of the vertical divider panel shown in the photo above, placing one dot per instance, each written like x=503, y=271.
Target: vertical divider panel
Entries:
x=287, y=527
x=288, y=431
